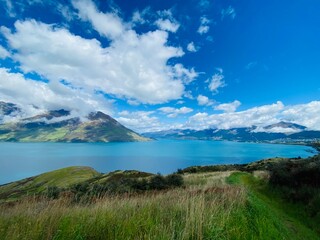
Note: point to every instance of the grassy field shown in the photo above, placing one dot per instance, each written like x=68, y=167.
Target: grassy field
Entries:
x=270, y=199
x=211, y=205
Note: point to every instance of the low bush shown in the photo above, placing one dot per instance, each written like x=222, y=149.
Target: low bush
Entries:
x=299, y=182
x=52, y=192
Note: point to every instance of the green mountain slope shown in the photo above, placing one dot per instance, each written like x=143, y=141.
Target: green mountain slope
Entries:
x=55, y=126
x=61, y=178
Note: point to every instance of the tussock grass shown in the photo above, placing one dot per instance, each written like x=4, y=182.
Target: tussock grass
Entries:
x=207, y=207
x=193, y=212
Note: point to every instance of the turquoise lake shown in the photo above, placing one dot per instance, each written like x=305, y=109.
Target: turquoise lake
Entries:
x=21, y=160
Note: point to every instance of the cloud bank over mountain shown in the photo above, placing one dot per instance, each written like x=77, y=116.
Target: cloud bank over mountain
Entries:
x=159, y=66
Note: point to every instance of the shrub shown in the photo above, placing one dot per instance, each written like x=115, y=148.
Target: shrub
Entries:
x=80, y=187
x=180, y=171
x=140, y=185
x=53, y=192
x=174, y=180
x=158, y=182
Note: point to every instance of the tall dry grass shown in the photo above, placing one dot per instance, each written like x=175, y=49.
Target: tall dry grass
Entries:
x=201, y=210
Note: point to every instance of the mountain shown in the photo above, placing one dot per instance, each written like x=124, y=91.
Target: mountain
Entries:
x=285, y=127
x=8, y=109
x=271, y=133
x=60, y=126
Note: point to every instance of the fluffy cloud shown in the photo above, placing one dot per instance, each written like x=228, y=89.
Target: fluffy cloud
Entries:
x=174, y=112
x=35, y=97
x=140, y=121
x=204, y=25
x=166, y=21
x=138, y=17
x=133, y=67
x=186, y=75
x=204, y=100
x=191, y=47
x=167, y=25
x=304, y=114
x=107, y=24
x=259, y=116
x=228, y=107
x=3, y=52
x=216, y=82
x=198, y=121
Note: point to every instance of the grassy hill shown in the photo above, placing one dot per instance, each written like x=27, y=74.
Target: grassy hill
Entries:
x=61, y=178
x=214, y=202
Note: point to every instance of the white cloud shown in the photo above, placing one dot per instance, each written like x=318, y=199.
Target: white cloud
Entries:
x=204, y=100
x=191, y=47
x=204, y=25
x=174, y=112
x=186, y=75
x=203, y=29
x=166, y=21
x=133, y=66
x=66, y=12
x=107, y=24
x=198, y=121
x=35, y=97
x=140, y=121
x=228, y=12
x=259, y=116
x=204, y=20
x=305, y=114
x=216, y=82
x=228, y=107
x=167, y=25
x=277, y=130
x=188, y=94
x=137, y=18
x=143, y=121
x=167, y=13
x=4, y=53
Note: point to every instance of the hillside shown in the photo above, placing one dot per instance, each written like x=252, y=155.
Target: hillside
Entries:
x=60, y=126
x=270, y=199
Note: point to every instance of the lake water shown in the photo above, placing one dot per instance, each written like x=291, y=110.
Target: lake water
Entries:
x=21, y=160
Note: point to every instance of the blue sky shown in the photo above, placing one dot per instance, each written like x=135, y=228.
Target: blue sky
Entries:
x=156, y=65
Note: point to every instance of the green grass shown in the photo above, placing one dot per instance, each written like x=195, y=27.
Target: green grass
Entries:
x=211, y=205
x=61, y=178
x=194, y=212
x=277, y=219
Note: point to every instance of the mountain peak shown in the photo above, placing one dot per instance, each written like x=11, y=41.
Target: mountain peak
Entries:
x=59, y=113
x=61, y=126
x=285, y=125
x=93, y=116
x=8, y=108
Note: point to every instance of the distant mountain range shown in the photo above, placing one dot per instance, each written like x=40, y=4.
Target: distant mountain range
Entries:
x=279, y=132
x=60, y=126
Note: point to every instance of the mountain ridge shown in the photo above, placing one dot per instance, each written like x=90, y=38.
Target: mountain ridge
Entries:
x=244, y=134
x=61, y=126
